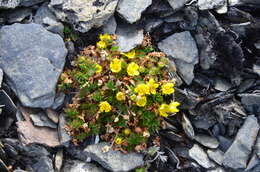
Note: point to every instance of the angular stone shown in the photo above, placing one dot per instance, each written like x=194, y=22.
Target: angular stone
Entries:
x=257, y=146
x=43, y=164
x=251, y=102
x=110, y=26
x=28, y=133
x=185, y=70
x=180, y=46
x=64, y=137
x=80, y=166
x=45, y=17
x=83, y=15
x=6, y=4
x=128, y=37
x=216, y=155
x=58, y=101
x=198, y=154
x=40, y=119
x=183, y=48
x=131, y=10
x=207, y=141
x=18, y=15
x=1, y=77
x=52, y=115
x=177, y=4
x=210, y=4
x=32, y=59
x=238, y=153
x=114, y=160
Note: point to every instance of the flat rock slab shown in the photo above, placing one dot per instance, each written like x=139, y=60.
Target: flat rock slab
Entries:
x=128, y=37
x=80, y=166
x=28, y=133
x=251, y=102
x=210, y=4
x=131, y=10
x=32, y=59
x=177, y=4
x=200, y=156
x=183, y=49
x=207, y=141
x=112, y=160
x=238, y=153
x=83, y=14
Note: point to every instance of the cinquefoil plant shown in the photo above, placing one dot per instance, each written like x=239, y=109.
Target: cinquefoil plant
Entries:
x=121, y=96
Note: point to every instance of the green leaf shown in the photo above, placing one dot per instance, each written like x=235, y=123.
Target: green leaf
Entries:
x=114, y=48
x=111, y=85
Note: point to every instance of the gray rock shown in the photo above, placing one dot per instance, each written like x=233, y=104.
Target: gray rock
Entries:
x=52, y=115
x=58, y=101
x=18, y=15
x=1, y=77
x=253, y=162
x=45, y=17
x=28, y=3
x=10, y=4
x=114, y=160
x=256, y=69
x=187, y=126
x=128, y=37
x=183, y=48
x=6, y=4
x=221, y=84
x=177, y=4
x=80, y=166
x=238, y=153
x=219, y=169
x=210, y=4
x=83, y=15
x=185, y=70
x=257, y=146
x=131, y=10
x=32, y=59
x=180, y=46
x=251, y=102
x=44, y=164
x=243, y=2
x=152, y=24
x=58, y=160
x=198, y=154
x=216, y=155
x=207, y=141
x=64, y=137
x=110, y=26
x=40, y=119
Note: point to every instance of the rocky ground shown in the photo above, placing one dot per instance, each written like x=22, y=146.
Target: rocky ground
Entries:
x=214, y=45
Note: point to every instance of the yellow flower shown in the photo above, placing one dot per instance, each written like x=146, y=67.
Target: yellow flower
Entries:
x=152, y=86
x=120, y=96
x=168, y=88
x=104, y=37
x=132, y=69
x=163, y=109
x=141, y=101
x=101, y=44
x=104, y=106
x=98, y=68
x=133, y=97
x=127, y=131
x=130, y=54
x=119, y=140
x=173, y=107
x=142, y=89
x=115, y=65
